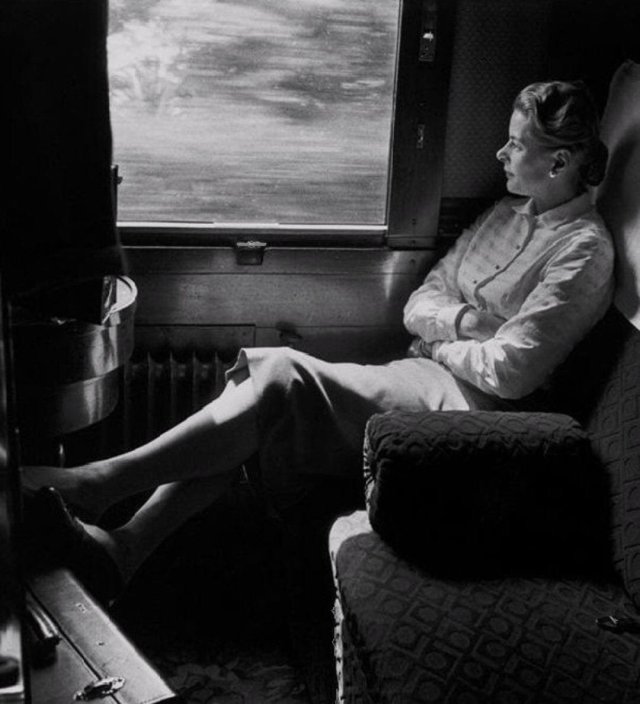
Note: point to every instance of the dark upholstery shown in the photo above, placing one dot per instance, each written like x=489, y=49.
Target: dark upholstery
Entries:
x=600, y=387
x=410, y=630
x=485, y=492
x=412, y=636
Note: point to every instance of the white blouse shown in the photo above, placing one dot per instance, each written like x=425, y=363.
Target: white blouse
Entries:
x=549, y=277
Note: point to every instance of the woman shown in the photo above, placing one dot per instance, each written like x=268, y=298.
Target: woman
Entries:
x=491, y=322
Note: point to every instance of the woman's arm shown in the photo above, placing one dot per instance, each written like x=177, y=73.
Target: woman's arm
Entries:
x=478, y=325
x=435, y=310
x=573, y=293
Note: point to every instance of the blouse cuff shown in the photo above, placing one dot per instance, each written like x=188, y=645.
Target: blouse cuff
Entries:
x=448, y=320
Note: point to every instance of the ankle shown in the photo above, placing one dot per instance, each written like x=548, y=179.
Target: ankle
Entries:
x=97, y=488
x=122, y=551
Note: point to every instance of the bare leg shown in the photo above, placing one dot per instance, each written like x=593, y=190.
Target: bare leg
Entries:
x=213, y=441
x=164, y=512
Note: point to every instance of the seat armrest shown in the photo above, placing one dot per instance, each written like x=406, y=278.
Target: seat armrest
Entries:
x=486, y=491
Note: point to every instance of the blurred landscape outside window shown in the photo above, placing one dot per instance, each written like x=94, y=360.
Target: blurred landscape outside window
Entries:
x=253, y=110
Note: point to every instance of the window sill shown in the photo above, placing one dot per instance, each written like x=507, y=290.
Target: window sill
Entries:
x=155, y=234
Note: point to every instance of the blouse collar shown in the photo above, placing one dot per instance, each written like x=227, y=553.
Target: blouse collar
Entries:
x=554, y=217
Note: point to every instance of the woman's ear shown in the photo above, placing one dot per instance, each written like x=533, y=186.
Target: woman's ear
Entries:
x=562, y=158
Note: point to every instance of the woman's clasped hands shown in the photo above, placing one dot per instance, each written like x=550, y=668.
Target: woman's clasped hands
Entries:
x=478, y=325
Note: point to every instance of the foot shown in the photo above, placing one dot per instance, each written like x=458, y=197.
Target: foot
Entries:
x=78, y=486
x=90, y=552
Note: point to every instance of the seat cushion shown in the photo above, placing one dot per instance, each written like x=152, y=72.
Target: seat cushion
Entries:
x=600, y=386
x=412, y=636
x=485, y=492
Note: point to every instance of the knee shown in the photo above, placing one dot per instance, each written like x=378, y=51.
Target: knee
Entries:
x=284, y=364
x=284, y=368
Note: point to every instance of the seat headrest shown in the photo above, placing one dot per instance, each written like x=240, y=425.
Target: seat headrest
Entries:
x=618, y=197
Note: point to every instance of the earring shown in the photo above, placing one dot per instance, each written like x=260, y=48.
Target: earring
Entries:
x=553, y=173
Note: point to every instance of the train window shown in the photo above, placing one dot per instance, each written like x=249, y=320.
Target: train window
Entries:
x=316, y=118
x=252, y=110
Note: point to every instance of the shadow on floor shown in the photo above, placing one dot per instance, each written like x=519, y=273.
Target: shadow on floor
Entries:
x=209, y=609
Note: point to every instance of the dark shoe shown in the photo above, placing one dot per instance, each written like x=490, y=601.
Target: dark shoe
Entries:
x=74, y=547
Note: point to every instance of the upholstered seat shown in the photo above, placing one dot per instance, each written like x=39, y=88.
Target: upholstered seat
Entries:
x=409, y=633
x=408, y=636
x=410, y=630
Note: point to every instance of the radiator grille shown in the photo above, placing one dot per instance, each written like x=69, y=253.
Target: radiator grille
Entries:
x=158, y=390
x=161, y=389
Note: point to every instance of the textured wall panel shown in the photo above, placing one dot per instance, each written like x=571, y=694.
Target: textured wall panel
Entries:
x=500, y=46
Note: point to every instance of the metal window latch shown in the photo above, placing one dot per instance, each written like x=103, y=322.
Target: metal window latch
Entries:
x=250, y=253
x=99, y=689
x=428, y=32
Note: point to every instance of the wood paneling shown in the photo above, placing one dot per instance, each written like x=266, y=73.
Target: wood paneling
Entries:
x=298, y=299
x=293, y=288
x=194, y=339
x=335, y=344
x=277, y=260
x=373, y=345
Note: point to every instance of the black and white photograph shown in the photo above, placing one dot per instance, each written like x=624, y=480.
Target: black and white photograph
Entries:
x=320, y=352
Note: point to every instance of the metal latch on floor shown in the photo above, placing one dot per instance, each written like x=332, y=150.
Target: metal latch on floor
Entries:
x=99, y=689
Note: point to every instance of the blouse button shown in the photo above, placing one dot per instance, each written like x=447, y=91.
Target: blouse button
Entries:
x=497, y=267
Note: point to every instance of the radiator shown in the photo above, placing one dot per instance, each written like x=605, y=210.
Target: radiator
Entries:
x=161, y=389
x=157, y=390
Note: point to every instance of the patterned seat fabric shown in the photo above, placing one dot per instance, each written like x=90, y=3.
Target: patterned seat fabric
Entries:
x=485, y=493
x=599, y=385
x=404, y=635
x=408, y=632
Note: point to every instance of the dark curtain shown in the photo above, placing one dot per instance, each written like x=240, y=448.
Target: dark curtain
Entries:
x=58, y=218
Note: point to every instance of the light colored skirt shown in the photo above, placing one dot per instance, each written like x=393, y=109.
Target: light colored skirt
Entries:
x=312, y=414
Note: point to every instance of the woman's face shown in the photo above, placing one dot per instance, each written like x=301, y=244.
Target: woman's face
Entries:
x=527, y=164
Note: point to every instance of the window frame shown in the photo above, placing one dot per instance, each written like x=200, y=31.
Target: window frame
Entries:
x=415, y=161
